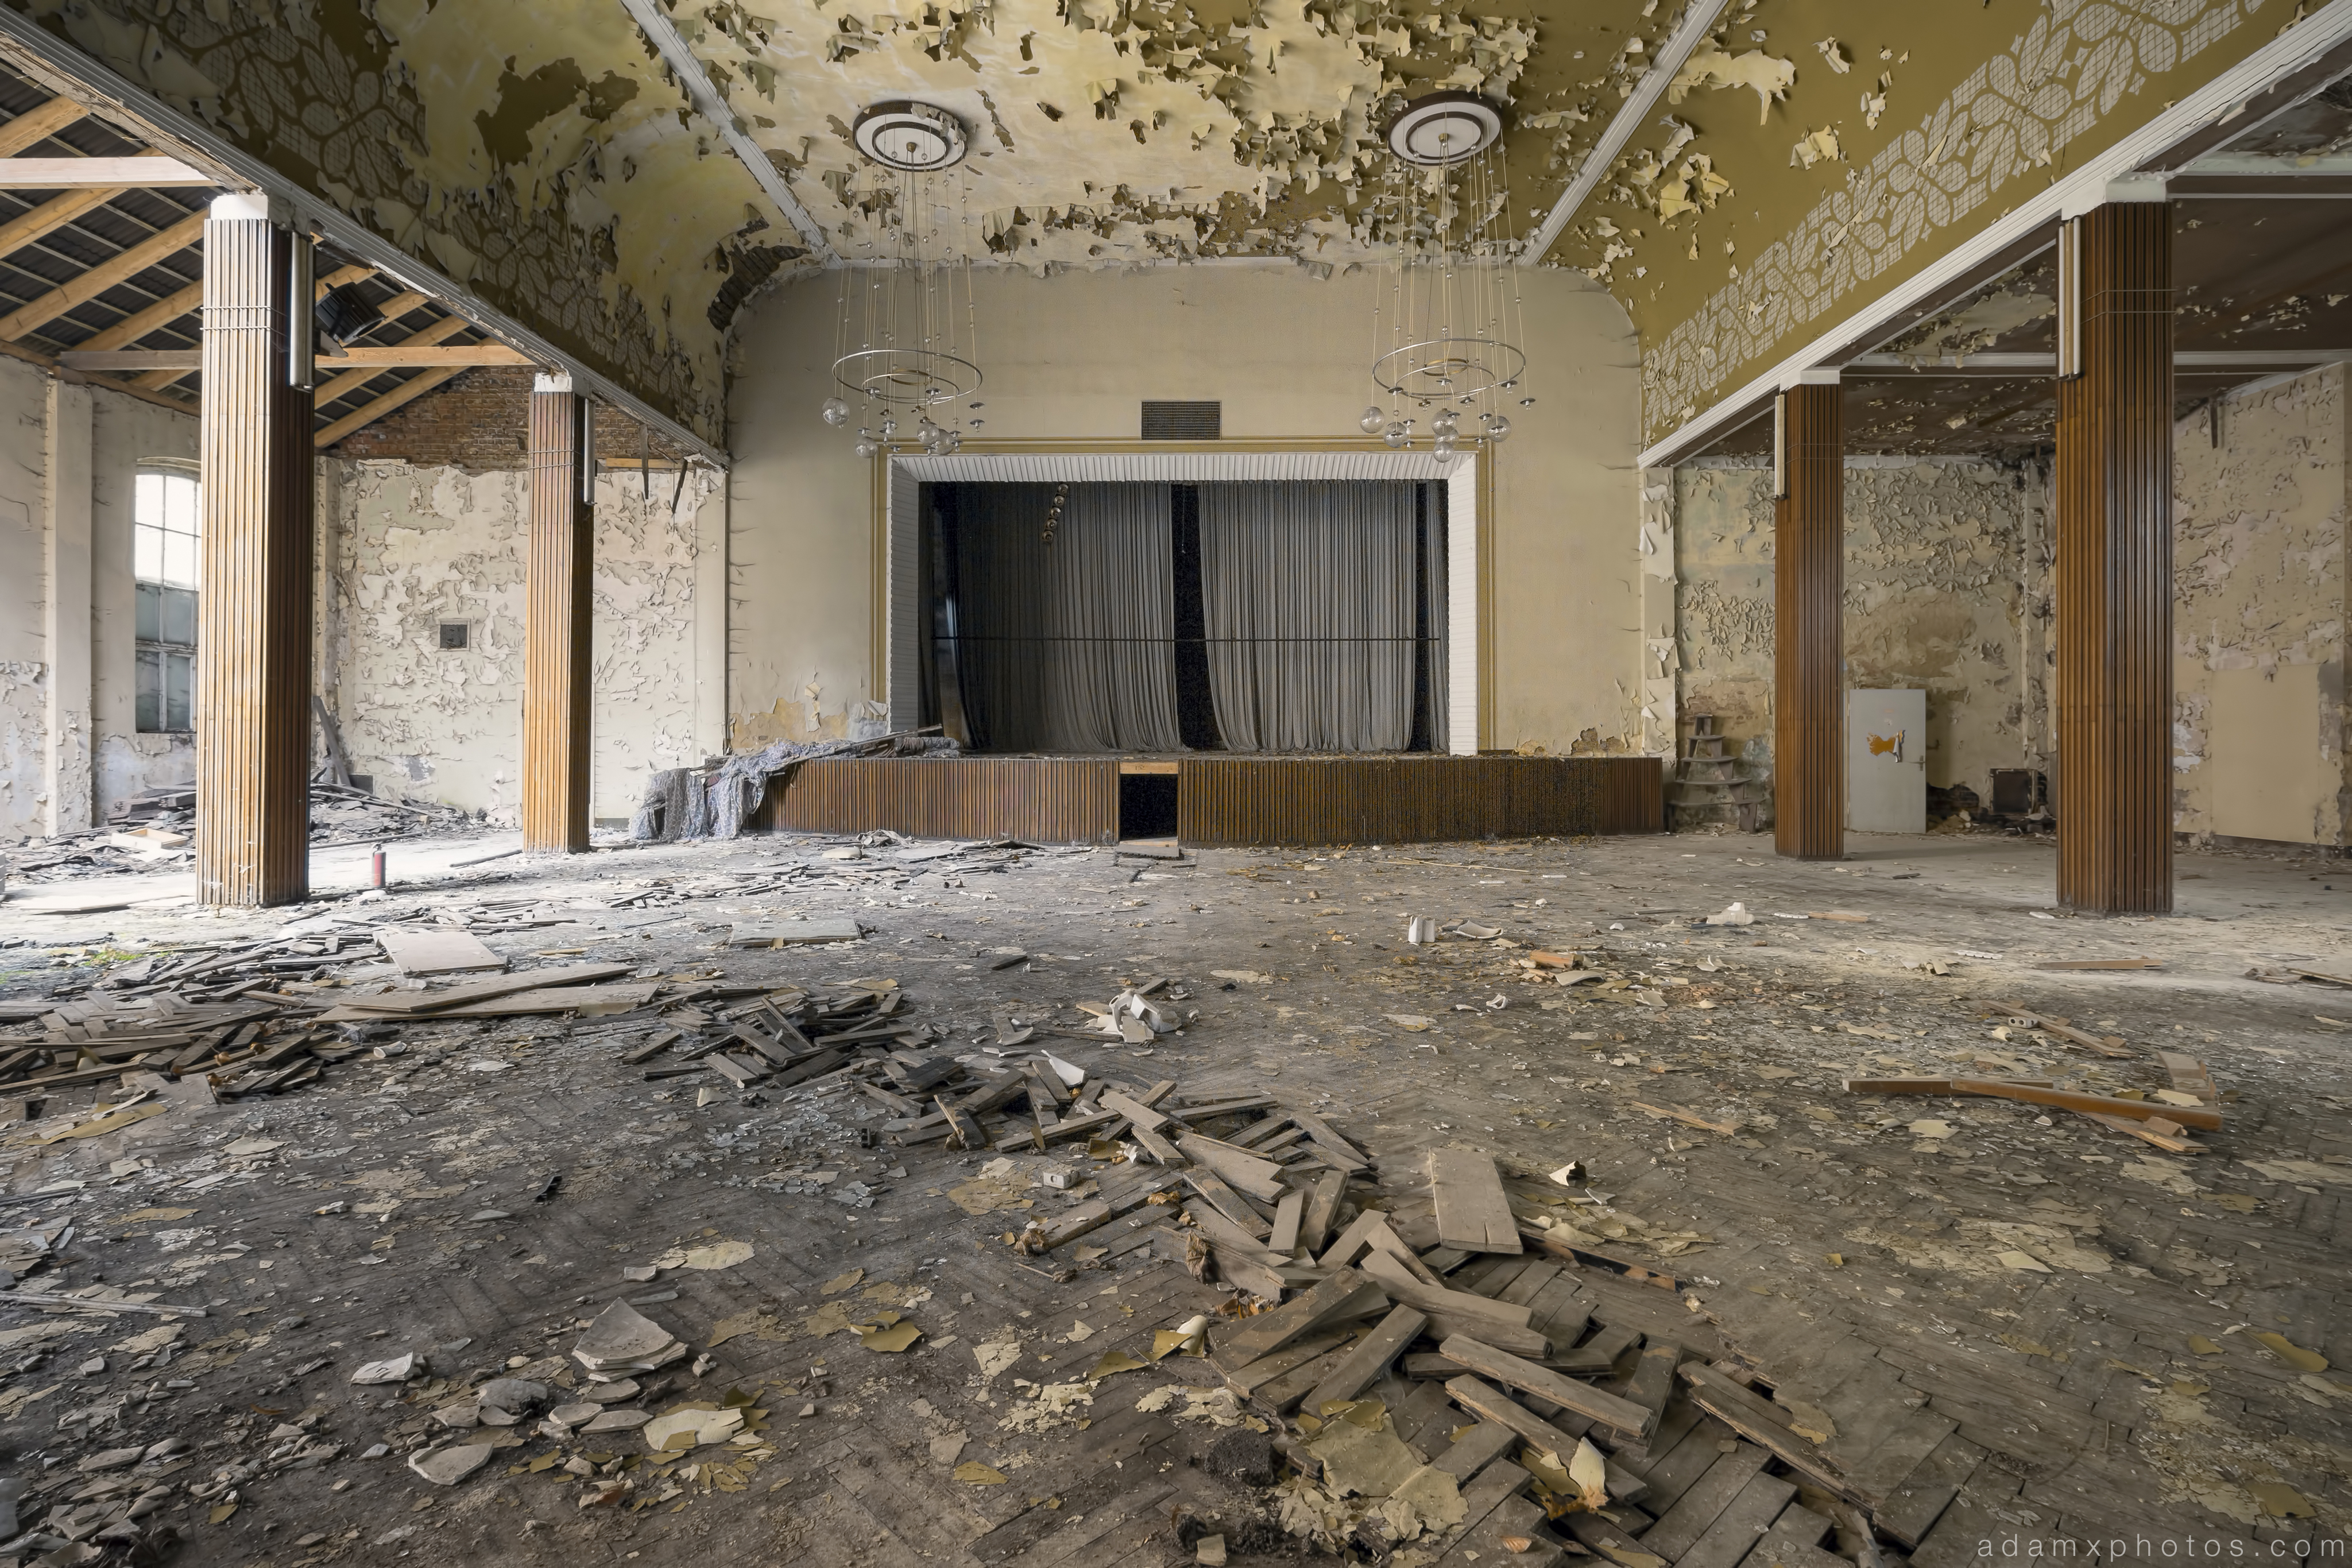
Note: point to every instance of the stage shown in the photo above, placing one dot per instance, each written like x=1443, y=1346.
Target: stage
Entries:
x=1213, y=800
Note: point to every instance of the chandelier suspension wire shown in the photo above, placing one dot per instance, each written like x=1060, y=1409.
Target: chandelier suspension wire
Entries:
x=1452, y=347
x=910, y=358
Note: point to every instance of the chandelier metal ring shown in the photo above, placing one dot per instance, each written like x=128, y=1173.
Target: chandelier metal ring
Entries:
x=1437, y=369
x=907, y=378
x=1441, y=128
x=917, y=137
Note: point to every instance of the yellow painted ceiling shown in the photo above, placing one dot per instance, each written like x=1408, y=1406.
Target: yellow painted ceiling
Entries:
x=1116, y=130
x=1810, y=153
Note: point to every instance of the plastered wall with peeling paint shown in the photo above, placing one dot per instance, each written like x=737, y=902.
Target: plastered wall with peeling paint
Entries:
x=2259, y=602
x=415, y=548
x=1071, y=357
x=1939, y=596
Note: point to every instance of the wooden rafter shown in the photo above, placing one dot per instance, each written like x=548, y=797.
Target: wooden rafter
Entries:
x=169, y=309
x=368, y=413
x=101, y=277
x=349, y=380
x=52, y=215
x=37, y=125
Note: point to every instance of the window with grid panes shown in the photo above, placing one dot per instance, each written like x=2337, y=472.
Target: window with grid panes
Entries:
x=164, y=561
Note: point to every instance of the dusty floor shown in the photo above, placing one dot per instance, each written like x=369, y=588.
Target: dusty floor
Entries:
x=2117, y=1380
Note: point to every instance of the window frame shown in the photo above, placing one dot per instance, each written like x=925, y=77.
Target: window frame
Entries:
x=167, y=552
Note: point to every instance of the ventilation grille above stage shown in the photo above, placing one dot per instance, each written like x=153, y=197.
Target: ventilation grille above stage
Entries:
x=1184, y=420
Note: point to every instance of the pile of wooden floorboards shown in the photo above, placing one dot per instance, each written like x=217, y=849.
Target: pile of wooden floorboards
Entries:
x=1494, y=1350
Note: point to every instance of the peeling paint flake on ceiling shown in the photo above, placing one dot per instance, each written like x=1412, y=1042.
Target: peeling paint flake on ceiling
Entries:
x=1109, y=131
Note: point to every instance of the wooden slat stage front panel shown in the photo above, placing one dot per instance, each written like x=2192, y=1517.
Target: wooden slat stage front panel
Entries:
x=1047, y=800
x=1410, y=799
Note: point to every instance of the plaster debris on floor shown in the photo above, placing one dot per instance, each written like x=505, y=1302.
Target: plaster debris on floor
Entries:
x=1042, y=1214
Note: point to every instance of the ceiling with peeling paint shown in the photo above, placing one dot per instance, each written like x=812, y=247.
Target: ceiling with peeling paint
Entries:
x=1806, y=155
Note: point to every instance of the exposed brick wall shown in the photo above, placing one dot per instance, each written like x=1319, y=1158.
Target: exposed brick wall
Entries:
x=476, y=422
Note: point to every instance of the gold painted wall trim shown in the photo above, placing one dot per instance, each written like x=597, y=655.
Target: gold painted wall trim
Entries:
x=879, y=526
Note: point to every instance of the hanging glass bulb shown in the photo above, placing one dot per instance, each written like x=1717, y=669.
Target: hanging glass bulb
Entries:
x=835, y=411
x=1499, y=427
x=1374, y=421
x=1444, y=446
x=1444, y=426
x=1398, y=434
x=867, y=449
x=1444, y=457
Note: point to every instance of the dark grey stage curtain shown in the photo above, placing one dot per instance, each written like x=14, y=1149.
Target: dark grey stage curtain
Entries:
x=1068, y=647
x=1440, y=699
x=1308, y=594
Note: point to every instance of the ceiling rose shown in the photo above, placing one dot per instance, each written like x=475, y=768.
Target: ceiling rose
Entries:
x=915, y=137
x=1443, y=128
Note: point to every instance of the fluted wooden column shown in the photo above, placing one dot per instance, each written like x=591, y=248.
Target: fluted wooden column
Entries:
x=2114, y=571
x=1809, y=629
x=556, y=627
x=254, y=614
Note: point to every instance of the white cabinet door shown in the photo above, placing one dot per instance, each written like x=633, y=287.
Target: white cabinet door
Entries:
x=1887, y=761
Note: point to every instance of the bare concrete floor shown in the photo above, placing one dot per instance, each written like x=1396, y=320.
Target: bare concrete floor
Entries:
x=2114, y=1377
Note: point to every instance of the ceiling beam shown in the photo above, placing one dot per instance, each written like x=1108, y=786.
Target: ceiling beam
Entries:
x=362, y=373
x=391, y=359
x=368, y=413
x=671, y=45
x=1665, y=63
x=38, y=124
x=144, y=172
x=172, y=307
x=52, y=215
x=39, y=55
x=170, y=242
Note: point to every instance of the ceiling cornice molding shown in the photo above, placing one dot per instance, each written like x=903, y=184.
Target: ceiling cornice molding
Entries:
x=2289, y=52
x=671, y=45
x=1698, y=21
x=40, y=56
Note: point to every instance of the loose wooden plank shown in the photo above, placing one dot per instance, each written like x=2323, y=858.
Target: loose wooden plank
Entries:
x=1322, y=1206
x=1468, y=1453
x=1472, y=1213
x=1337, y=1149
x=1244, y=1377
x=1557, y=1312
x=1228, y=1202
x=1262, y=1179
x=1702, y=1501
x=1369, y=1358
x=1287, y=1215
x=1513, y=1518
x=1502, y=1276
x=1345, y=1294
x=411, y=1004
x=1158, y=1147
x=436, y=951
x=1738, y=1529
x=1426, y=1413
x=1620, y=1415
x=1279, y=1394
x=2034, y=1095
x=1144, y=1117
x=2165, y=1133
x=1495, y=1322
x=1758, y=1420
x=1693, y=1453
x=1653, y=1383
x=2189, y=1075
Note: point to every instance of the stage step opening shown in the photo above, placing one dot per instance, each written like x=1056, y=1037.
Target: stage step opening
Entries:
x=1146, y=801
